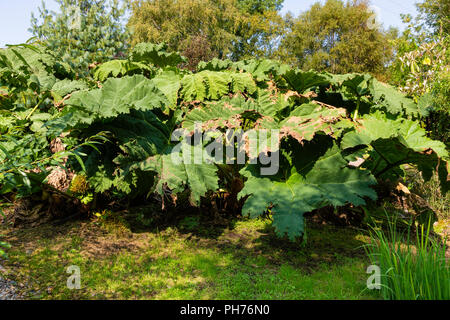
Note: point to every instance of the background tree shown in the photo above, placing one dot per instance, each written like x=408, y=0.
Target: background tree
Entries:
x=436, y=15
x=259, y=36
x=337, y=37
x=83, y=31
x=260, y=6
x=203, y=29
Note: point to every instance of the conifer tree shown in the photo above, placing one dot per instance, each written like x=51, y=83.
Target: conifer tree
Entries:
x=83, y=32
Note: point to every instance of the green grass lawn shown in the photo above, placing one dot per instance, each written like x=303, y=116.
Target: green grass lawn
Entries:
x=242, y=261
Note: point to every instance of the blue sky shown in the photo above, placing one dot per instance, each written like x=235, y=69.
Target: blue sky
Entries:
x=388, y=10
x=15, y=15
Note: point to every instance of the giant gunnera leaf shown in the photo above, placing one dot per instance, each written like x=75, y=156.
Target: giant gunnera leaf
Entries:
x=156, y=54
x=397, y=142
x=393, y=101
x=120, y=68
x=213, y=85
x=115, y=97
x=319, y=177
x=177, y=169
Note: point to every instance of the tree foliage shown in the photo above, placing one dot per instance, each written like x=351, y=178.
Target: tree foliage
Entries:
x=206, y=29
x=336, y=37
x=260, y=6
x=82, y=32
x=436, y=15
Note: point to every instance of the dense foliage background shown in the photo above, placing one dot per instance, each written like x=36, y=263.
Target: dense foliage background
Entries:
x=101, y=103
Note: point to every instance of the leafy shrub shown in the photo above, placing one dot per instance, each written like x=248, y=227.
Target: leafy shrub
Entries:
x=338, y=135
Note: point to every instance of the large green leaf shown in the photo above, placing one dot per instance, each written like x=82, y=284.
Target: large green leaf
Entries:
x=156, y=54
x=169, y=82
x=147, y=161
x=66, y=86
x=38, y=66
x=398, y=142
x=214, y=85
x=215, y=65
x=358, y=85
x=301, y=81
x=307, y=120
x=377, y=126
x=132, y=138
x=117, y=96
x=314, y=182
x=393, y=101
x=228, y=113
x=262, y=70
x=120, y=68
x=177, y=169
x=194, y=87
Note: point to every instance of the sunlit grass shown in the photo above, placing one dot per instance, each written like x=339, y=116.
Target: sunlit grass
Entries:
x=246, y=262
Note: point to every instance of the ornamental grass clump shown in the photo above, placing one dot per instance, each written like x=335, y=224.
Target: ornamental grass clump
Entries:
x=413, y=266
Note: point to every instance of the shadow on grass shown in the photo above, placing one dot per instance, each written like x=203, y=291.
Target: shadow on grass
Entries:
x=188, y=256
